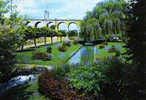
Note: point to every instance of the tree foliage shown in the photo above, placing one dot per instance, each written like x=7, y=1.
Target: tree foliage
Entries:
x=104, y=21
x=7, y=48
x=136, y=48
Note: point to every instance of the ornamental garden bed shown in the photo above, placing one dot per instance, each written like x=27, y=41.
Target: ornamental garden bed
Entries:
x=27, y=56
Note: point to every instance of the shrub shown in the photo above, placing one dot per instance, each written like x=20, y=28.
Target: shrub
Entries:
x=62, y=48
x=85, y=80
x=54, y=84
x=60, y=71
x=8, y=40
x=67, y=43
x=112, y=49
x=105, y=43
x=116, y=77
x=49, y=49
x=40, y=55
x=101, y=46
x=55, y=89
x=75, y=42
x=136, y=49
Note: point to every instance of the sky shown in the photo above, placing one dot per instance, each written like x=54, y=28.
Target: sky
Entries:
x=60, y=9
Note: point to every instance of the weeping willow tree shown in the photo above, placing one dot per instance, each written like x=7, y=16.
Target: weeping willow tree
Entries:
x=105, y=20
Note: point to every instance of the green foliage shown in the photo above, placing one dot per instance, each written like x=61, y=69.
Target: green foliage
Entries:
x=72, y=33
x=49, y=49
x=106, y=18
x=3, y=7
x=136, y=28
x=115, y=80
x=136, y=48
x=85, y=79
x=62, y=48
x=57, y=88
x=7, y=48
x=60, y=71
x=62, y=33
x=42, y=55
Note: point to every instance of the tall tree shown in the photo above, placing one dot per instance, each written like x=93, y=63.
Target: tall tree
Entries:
x=136, y=47
x=109, y=17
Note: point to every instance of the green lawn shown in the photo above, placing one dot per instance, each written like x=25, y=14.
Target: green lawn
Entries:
x=103, y=53
x=26, y=57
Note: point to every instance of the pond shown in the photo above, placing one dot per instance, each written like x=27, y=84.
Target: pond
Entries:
x=16, y=81
x=16, y=88
x=84, y=56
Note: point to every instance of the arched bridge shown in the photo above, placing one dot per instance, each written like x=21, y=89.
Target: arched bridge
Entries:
x=56, y=22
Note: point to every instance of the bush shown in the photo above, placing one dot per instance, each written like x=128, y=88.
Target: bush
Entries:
x=67, y=43
x=62, y=48
x=40, y=55
x=7, y=52
x=75, y=42
x=54, y=84
x=85, y=80
x=55, y=89
x=101, y=46
x=112, y=49
x=116, y=77
x=49, y=49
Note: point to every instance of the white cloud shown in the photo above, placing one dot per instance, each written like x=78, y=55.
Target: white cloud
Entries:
x=57, y=8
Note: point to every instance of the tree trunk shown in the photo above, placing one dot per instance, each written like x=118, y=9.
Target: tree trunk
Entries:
x=22, y=47
x=51, y=40
x=45, y=40
x=35, y=42
x=60, y=38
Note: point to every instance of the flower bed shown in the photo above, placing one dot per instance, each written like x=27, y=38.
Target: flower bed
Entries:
x=110, y=50
x=67, y=44
x=75, y=42
x=41, y=55
x=56, y=89
x=62, y=48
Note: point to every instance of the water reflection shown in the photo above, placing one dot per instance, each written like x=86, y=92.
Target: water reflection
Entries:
x=84, y=56
x=15, y=87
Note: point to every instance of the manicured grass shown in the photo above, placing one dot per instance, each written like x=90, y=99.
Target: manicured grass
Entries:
x=103, y=53
x=26, y=57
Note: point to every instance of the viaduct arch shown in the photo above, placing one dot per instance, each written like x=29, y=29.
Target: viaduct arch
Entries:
x=56, y=22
